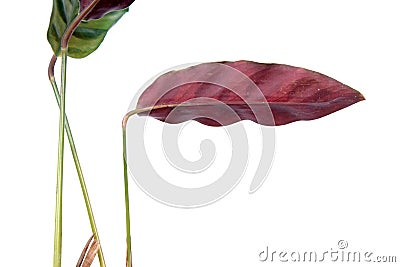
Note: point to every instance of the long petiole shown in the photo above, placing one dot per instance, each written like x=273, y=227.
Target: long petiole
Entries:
x=126, y=186
x=60, y=166
x=60, y=163
x=77, y=163
x=127, y=210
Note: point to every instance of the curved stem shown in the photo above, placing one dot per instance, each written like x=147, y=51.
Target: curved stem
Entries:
x=126, y=186
x=77, y=163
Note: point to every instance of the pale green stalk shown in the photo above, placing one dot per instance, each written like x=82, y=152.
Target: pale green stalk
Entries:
x=60, y=166
x=126, y=186
x=77, y=163
x=127, y=210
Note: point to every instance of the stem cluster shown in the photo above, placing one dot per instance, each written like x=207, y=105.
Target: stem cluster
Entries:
x=64, y=127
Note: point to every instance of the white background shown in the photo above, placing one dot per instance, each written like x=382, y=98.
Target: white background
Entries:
x=333, y=178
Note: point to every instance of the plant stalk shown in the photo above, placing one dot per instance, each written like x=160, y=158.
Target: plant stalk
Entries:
x=77, y=163
x=127, y=209
x=60, y=163
x=126, y=186
x=60, y=166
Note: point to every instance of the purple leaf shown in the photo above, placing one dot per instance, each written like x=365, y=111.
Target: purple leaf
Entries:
x=104, y=7
x=223, y=93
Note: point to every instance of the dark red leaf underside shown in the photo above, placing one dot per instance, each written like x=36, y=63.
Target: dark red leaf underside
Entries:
x=103, y=7
x=223, y=93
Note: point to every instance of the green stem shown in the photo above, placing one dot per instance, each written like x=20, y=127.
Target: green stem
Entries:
x=126, y=185
x=60, y=166
x=77, y=163
x=64, y=52
x=127, y=211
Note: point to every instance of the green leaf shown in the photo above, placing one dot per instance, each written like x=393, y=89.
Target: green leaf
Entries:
x=89, y=34
x=63, y=13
